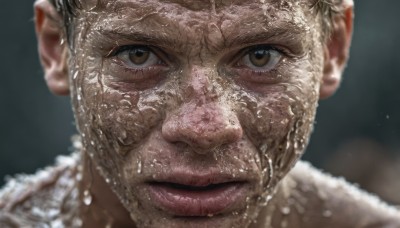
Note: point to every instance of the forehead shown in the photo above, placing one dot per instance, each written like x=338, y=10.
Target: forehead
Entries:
x=237, y=12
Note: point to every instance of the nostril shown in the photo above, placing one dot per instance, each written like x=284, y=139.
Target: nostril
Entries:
x=202, y=140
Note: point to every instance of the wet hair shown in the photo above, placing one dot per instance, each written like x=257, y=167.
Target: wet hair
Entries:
x=328, y=9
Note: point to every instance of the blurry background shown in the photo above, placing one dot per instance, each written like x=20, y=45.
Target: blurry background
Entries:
x=357, y=132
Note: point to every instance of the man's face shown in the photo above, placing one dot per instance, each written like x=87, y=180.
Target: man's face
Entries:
x=193, y=110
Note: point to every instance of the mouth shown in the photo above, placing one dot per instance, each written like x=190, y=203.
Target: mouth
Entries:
x=196, y=196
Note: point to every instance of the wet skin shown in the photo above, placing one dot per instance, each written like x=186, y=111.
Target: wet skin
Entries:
x=195, y=94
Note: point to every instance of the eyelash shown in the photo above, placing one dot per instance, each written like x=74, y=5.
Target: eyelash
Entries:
x=119, y=49
x=134, y=73
x=266, y=46
x=281, y=50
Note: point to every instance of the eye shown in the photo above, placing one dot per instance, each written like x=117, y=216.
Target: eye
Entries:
x=261, y=58
x=138, y=57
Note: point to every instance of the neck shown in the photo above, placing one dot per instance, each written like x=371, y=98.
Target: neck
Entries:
x=98, y=204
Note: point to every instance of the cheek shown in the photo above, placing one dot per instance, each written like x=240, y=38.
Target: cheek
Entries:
x=279, y=124
x=125, y=119
x=267, y=119
x=113, y=123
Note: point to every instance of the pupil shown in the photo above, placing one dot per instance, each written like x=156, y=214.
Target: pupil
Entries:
x=139, y=56
x=139, y=53
x=260, y=54
x=260, y=58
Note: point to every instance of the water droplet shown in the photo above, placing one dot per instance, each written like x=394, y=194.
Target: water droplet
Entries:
x=87, y=198
x=56, y=223
x=264, y=148
x=53, y=212
x=264, y=200
x=76, y=75
x=285, y=210
x=38, y=212
x=125, y=103
x=139, y=167
x=77, y=222
x=327, y=213
x=78, y=176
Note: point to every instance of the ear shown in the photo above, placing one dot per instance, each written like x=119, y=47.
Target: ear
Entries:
x=337, y=52
x=52, y=51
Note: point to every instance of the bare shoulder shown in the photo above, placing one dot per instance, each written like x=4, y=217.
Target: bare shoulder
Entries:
x=315, y=199
x=39, y=199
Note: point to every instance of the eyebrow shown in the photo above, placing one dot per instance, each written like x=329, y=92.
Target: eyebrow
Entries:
x=290, y=35
x=266, y=35
x=140, y=37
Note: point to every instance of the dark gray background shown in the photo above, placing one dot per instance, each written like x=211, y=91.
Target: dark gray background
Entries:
x=35, y=126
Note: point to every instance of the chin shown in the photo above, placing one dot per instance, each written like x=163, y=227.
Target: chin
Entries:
x=232, y=220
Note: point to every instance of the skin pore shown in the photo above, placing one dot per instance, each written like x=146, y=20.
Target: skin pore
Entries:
x=193, y=93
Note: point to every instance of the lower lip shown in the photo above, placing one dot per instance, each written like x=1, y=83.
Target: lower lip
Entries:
x=182, y=202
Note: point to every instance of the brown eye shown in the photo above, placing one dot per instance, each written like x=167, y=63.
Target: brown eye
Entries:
x=259, y=58
x=139, y=56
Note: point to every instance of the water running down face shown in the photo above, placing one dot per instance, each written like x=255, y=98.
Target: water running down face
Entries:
x=194, y=111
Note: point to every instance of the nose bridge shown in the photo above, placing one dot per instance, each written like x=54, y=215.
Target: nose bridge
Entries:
x=202, y=121
x=200, y=85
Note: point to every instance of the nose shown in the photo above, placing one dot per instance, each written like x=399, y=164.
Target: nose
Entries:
x=203, y=122
x=203, y=128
